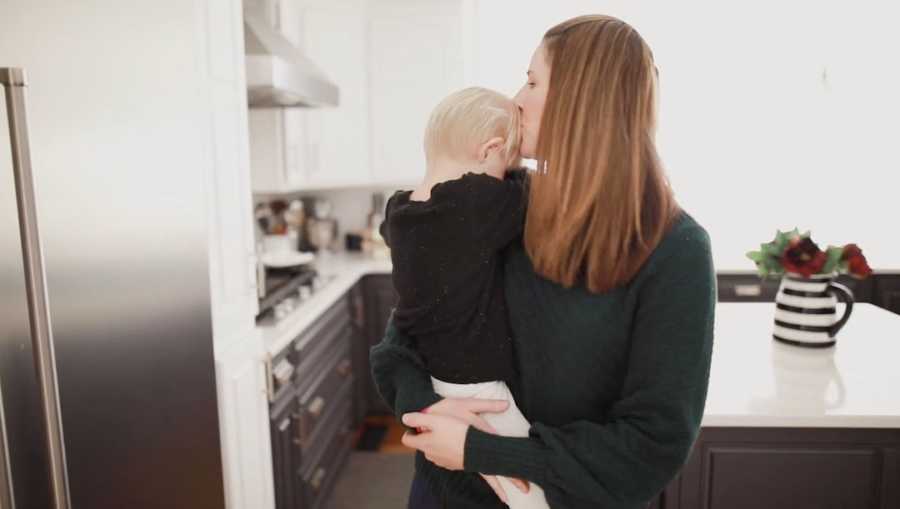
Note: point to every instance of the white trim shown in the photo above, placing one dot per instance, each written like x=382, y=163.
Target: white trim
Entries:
x=805, y=287
x=803, y=319
x=803, y=336
x=806, y=302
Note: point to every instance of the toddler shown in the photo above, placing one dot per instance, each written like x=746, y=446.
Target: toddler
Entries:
x=445, y=238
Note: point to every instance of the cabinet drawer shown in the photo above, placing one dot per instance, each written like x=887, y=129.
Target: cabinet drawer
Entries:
x=317, y=478
x=311, y=345
x=746, y=288
x=330, y=390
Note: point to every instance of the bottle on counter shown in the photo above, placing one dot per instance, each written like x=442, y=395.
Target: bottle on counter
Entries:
x=373, y=242
x=295, y=217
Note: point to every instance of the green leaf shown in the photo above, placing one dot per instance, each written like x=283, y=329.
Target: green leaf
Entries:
x=773, y=265
x=772, y=250
x=781, y=240
x=833, y=255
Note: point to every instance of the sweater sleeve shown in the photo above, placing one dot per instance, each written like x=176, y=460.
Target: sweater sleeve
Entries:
x=400, y=374
x=648, y=432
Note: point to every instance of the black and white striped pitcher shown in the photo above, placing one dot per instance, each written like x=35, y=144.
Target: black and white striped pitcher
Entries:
x=805, y=310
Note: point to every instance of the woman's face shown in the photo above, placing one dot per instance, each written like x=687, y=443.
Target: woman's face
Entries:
x=530, y=101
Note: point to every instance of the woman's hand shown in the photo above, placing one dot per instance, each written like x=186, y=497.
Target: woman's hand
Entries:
x=442, y=434
x=442, y=439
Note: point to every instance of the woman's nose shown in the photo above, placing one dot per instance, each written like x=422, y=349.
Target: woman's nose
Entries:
x=517, y=99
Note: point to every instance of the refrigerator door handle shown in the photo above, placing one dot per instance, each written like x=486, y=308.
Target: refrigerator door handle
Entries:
x=6, y=491
x=13, y=80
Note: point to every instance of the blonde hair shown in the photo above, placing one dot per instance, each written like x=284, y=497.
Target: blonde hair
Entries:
x=600, y=202
x=465, y=119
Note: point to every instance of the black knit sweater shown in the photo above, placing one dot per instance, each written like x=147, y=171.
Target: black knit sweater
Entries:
x=446, y=254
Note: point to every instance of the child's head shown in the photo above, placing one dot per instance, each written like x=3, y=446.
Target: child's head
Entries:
x=474, y=127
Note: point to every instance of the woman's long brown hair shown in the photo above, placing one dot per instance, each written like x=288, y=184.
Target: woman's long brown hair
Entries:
x=600, y=201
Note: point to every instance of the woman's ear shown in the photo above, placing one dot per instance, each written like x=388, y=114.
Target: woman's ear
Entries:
x=493, y=144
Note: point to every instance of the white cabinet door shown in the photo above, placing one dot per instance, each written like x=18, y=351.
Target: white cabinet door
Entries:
x=293, y=149
x=333, y=36
x=415, y=58
x=243, y=408
x=244, y=426
x=230, y=217
x=278, y=149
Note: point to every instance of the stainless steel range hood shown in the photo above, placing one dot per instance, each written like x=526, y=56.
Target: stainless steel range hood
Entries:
x=278, y=74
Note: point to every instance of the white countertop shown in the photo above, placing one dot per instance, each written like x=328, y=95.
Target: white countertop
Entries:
x=754, y=380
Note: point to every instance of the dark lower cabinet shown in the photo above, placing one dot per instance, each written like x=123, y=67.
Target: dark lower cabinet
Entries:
x=886, y=292
x=380, y=300
x=360, y=351
x=882, y=289
x=313, y=413
x=821, y=468
x=284, y=458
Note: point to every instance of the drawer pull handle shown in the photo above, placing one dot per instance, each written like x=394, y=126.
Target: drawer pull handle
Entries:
x=316, y=482
x=302, y=430
x=283, y=372
x=747, y=290
x=316, y=407
x=344, y=367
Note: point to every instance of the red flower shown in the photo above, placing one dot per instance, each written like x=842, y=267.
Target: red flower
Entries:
x=856, y=262
x=803, y=256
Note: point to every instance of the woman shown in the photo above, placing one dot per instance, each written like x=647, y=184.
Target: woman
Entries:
x=611, y=296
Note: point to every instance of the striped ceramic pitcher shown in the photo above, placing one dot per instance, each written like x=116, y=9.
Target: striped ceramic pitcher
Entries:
x=805, y=310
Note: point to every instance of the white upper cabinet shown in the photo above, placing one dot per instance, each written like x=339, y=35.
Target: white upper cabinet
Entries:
x=338, y=138
x=415, y=59
x=392, y=60
x=278, y=149
x=295, y=149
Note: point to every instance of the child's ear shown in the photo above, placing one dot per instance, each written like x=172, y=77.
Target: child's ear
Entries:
x=487, y=147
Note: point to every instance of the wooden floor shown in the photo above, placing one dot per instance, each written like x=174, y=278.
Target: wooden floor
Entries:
x=391, y=443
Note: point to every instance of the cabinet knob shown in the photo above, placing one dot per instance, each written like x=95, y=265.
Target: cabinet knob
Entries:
x=283, y=372
x=301, y=430
x=316, y=482
x=316, y=407
x=344, y=367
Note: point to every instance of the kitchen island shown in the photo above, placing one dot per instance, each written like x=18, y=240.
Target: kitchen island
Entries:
x=786, y=426
x=783, y=426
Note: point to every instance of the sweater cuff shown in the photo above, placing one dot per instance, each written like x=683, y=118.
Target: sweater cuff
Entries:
x=490, y=454
x=412, y=394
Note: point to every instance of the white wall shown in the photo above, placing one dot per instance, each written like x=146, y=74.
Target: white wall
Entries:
x=753, y=138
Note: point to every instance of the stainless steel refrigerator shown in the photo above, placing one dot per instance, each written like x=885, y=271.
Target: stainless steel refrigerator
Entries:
x=107, y=381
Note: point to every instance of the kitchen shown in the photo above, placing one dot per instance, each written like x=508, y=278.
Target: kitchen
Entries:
x=195, y=205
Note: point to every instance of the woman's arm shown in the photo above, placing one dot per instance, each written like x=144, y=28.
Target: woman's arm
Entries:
x=400, y=374
x=405, y=385
x=648, y=433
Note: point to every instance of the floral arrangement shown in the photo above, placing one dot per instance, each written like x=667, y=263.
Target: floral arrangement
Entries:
x=795, y=252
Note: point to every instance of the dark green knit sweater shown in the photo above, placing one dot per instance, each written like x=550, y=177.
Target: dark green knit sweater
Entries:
x=614, y=384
